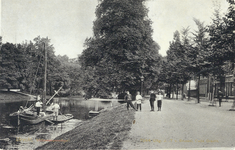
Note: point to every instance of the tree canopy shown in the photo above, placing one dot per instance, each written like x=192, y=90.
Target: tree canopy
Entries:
x=22, y=66
x=122, y=48
x=209, y=50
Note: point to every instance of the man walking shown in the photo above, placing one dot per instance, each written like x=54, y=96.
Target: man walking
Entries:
x=152, y=99
x=128, y=99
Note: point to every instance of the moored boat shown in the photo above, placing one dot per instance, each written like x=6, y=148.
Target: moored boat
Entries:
x=61, y=118
x=93, y=113
x=28, y=117
x=34, y=120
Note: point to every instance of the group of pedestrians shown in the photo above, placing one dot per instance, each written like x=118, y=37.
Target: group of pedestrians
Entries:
x=139, y=98
x=159, y=98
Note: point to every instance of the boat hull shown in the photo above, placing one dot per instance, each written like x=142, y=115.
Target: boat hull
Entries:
x=61, y=118
x=36, y=120
x=28, y=118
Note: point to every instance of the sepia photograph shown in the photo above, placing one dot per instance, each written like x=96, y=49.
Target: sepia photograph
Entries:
x=117, y=74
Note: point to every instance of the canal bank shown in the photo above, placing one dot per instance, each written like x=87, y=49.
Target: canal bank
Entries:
x=7, y=97
x=108, y=130
x=32, y=136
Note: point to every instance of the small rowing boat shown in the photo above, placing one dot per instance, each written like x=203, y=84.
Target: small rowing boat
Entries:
x=61, y=118
x=93, y=112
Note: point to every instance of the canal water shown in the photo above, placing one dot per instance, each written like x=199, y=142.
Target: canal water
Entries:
x=32, y=136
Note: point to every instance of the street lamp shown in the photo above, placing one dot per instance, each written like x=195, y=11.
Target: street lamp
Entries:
x=142, y=84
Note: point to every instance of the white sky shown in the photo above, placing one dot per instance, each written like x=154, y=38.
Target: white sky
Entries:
x=69, y=22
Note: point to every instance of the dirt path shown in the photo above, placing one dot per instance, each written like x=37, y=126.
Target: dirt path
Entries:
x=182, y=125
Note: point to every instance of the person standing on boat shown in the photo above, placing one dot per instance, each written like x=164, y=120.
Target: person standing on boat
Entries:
x=128, y=99
x=56, y=108
x=38, y=106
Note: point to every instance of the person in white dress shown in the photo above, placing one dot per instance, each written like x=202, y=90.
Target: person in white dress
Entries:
x=159, y=100
x=138, y=98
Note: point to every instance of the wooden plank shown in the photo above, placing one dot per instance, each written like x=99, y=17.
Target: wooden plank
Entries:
x=49, y=121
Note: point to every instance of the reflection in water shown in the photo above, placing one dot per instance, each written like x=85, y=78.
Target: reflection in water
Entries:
x=41, y=134
x=26, y=136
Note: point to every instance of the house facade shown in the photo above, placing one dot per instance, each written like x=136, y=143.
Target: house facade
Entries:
x=208, y=84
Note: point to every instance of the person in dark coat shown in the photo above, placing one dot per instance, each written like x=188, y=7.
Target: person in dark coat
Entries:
x=128, y=99
x=220, y=96
x=151, y=100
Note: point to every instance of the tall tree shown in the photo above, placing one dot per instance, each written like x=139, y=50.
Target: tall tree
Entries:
x=172, y=69
x=199, y=51
x=122, y=48
x=217, y=47
x=230, y=32
x=9, y=73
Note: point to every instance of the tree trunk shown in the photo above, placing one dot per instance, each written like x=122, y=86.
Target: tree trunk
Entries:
x=177, y=91
x=170, y=91
x=189, y=90
x=182, y=93
x=213, y=91
x=233, y=106
x=198, y=89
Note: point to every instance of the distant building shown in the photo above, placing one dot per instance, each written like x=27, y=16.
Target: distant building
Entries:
x=206, y=86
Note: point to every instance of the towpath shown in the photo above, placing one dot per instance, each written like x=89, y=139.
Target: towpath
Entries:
x=182, y=124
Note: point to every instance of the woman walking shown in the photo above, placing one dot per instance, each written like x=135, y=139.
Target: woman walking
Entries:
x=159, y=100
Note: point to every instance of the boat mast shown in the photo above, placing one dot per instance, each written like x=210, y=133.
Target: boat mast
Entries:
x=45, y=77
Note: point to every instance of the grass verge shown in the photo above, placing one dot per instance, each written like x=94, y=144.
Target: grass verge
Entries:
x=108, y=130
